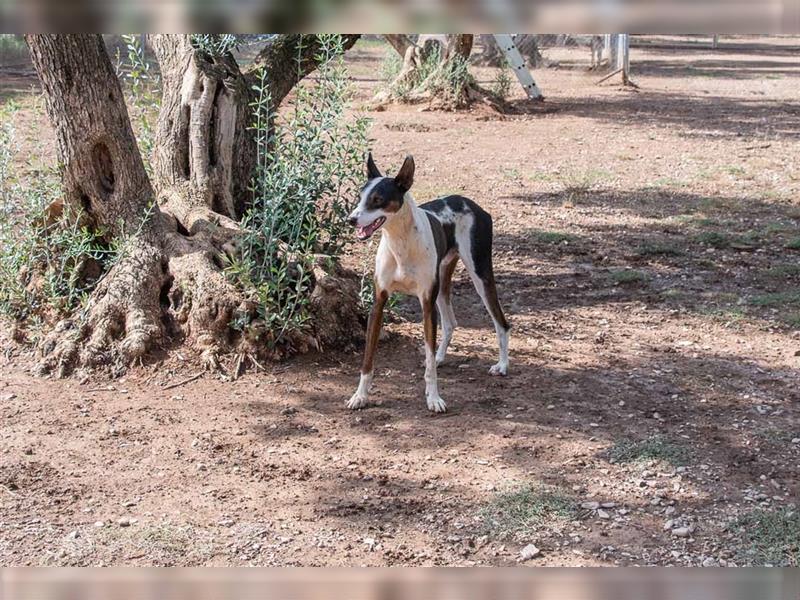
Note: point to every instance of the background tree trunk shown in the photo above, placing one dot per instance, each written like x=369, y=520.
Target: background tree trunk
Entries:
x=527, y=44
x=169, y=283
x=437, y=86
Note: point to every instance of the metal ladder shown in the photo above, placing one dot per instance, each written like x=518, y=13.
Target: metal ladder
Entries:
x=506, y=43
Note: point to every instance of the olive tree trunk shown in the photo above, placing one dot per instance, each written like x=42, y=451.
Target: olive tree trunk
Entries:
x=168, y=285
x=444, y=86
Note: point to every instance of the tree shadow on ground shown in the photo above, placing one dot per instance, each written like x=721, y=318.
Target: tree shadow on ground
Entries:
x=570, y=415
x=689, y=115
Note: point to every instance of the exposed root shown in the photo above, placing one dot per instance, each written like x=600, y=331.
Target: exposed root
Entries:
x=179, y=293
x=120, y=322
x=201, y=301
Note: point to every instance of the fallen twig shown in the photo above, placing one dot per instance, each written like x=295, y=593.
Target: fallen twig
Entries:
x=609, y=76
x=185, y=381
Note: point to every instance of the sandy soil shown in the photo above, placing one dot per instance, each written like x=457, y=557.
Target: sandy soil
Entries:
x=641, y=253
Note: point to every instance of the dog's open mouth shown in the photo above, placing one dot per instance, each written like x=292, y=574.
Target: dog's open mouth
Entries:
x=363, y=233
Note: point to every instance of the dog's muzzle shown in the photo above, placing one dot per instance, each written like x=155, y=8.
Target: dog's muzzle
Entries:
x=366, y=231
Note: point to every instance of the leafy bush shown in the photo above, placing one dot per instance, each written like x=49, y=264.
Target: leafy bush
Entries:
x=12, y=49
x=446, y=80
x=144, y=98
x=50, y=259
x=309, y=167
x=450, y=81
x=390, y=66
x=501, y=85
x=215, y=44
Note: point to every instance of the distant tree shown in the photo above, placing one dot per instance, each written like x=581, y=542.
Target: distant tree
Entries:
x=448, y=82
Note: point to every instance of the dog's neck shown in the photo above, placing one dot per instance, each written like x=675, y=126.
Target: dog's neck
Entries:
x=401, y=225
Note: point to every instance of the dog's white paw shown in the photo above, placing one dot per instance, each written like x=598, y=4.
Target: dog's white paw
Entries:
x=499, y=369
x=439, y=359
x=436, y=404
x=357, y=400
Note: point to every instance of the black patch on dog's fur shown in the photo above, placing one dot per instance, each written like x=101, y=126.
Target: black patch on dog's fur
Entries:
x=385, y=195
x=439, y=237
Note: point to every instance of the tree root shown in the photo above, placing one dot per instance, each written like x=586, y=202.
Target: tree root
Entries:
x=176, y=292
x=120, y=322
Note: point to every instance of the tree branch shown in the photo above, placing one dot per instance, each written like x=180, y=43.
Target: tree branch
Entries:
x=399, y=41
x=280, y=58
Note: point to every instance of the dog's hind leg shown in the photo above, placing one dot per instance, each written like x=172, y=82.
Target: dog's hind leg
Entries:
x=487, y=290
x=445, y=305
x=478, y=261
x=361, y=396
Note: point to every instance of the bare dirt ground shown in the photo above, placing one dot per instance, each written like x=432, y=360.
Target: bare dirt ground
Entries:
x=647, y=252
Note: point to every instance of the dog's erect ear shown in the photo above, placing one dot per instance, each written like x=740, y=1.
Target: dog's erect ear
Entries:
x=372, y=168
x=405, y=177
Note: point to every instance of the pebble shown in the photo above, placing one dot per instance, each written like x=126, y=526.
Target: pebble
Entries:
x=709, y=562
x=74, y=535
x=590, y=505
x=796, y=440
x=681, y=531
x=603, y=514
x=8, y=397
x=125, y=521
x=528, y=552
x=99, y=524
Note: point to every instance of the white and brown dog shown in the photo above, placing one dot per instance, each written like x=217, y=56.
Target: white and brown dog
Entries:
x=418, y=253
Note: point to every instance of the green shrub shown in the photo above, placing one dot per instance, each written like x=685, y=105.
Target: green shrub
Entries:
x=144, y=98
x=390, y=66
x=49, y=261
x=309, y=167
x=12, y=49
x=215, y=44
x=450, y=80
x=501, y=85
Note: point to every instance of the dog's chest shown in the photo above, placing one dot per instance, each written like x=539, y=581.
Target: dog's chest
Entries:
x=409, y=267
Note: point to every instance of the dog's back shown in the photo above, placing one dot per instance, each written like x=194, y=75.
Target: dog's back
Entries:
x=467, y=230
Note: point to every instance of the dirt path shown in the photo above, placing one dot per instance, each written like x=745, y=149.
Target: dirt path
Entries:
x=647, y=251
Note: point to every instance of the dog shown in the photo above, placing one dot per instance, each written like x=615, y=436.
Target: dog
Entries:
x=418, y=253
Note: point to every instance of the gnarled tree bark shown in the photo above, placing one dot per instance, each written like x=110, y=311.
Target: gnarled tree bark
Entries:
x=169, y=283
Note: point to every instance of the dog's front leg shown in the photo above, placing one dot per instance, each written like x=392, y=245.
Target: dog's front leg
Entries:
x=435, y=402
x=361, y=397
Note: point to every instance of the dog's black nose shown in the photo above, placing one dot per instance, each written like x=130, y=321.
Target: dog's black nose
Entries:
x=353, y=221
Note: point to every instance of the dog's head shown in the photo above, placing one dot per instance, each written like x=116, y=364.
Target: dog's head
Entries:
x=381, y=197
